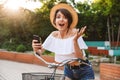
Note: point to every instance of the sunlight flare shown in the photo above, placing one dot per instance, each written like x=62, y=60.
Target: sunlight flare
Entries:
x=16, y=4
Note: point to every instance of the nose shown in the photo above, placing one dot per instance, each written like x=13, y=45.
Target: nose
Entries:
x=61, y=19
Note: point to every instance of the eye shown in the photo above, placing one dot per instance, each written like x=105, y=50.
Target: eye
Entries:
x=58, y=16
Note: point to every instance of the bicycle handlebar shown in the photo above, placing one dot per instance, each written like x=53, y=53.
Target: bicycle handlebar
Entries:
x=54, y=65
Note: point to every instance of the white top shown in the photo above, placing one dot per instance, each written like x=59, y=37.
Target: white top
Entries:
x=63, y=48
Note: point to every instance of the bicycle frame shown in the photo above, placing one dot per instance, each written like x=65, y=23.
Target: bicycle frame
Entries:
x=52, y=76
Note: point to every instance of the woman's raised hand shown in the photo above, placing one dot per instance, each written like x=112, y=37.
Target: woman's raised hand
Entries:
x=79, y=33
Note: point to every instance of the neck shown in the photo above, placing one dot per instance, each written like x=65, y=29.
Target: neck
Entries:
x=64, y=34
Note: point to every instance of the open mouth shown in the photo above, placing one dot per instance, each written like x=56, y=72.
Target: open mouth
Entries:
x=61, y=24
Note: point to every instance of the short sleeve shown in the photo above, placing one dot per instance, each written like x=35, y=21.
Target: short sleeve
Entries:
x=48, y=43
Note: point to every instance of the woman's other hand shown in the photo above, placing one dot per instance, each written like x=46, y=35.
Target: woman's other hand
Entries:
x=79, y=33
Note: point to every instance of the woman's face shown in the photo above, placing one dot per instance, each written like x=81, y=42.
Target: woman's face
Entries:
x=61, y=21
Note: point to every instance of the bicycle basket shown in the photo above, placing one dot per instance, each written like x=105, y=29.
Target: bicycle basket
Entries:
x=40, y=76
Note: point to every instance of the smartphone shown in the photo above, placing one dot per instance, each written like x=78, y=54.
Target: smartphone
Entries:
x=36, y=37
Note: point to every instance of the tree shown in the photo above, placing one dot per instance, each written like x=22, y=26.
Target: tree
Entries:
x=19, y=27
x=110, y=9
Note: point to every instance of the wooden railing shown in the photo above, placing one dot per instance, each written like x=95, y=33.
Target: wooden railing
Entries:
x=103, y=48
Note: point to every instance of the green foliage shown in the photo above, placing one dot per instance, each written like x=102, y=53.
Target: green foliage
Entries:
x=95, y=15
x=9, y=46
x=103, y=6
x=118, y=58
x=21, y=48
x=20, y=26
x=46, y=52
x=87, y=53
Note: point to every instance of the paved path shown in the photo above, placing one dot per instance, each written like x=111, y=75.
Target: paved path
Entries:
x=10, y=70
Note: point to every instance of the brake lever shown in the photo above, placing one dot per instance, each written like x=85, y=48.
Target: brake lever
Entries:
x=83, y=62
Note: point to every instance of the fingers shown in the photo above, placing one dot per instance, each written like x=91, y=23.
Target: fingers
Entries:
x=79, y=32
x=82, y=30
x=36, y=46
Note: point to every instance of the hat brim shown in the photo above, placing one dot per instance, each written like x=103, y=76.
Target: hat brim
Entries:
x=69, y=8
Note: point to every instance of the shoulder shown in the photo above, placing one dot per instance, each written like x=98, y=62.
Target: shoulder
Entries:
x=54, y=33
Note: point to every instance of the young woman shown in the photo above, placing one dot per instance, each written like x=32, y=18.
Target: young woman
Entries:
x=66, y=42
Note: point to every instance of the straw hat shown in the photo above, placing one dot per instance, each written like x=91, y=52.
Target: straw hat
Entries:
x=69, y=8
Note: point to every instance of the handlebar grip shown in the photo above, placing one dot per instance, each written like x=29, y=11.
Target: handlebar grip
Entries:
x=81, y=60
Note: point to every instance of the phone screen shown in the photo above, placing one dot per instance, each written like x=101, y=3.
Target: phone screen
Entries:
x=36, y=37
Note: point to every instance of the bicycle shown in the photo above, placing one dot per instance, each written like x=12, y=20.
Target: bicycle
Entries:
x=53, y=75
